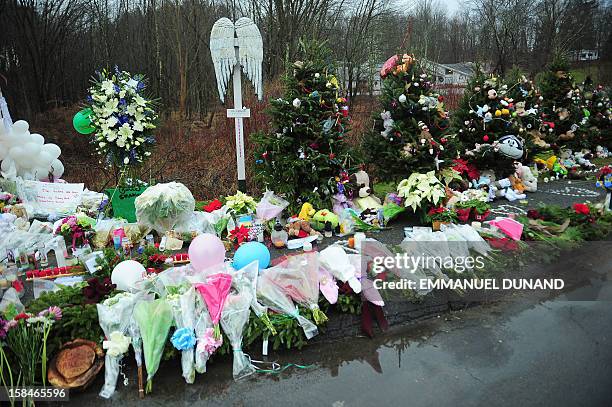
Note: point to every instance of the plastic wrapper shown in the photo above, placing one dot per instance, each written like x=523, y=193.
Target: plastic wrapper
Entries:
x=115, y=315
x=154, y=319
x=419, y=246
x=270, y=206
x=11, y=297
x=368, y=291
x=335, y=260
x=275, y=298
x=183, y=309
x=214, y=292
x=163, y=207
x=234, y=318
x=298, y=276
x=246, y=279
x=472, y=237
x=203, y=330
x=104, y=229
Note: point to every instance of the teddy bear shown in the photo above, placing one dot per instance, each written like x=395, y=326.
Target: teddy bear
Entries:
x=300, y=228
x=497, y=189
x=306, y=212
x=583, y=158
x=529, y=181
x=364, y=199
x=492, y=94
x=387, y=123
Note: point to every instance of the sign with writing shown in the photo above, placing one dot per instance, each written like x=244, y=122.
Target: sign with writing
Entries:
x=50, y=196
x=122, y=200
x=235, y=113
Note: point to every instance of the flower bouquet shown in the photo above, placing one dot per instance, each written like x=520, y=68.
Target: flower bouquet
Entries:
x=272, y=296
x=115, y=315
x=604, y=180
x=241, y=203
x=270, y=206
x=154, y=319
x=183, y=339
x=75, y=229
x=246, y=278
x=234, y=318
x=206, y=342
x=420, y=189
x=123, y=118
x=298, y=277
x=164, y=206
x=214, y=293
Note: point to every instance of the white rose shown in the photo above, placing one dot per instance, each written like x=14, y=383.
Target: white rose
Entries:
x=402, y=98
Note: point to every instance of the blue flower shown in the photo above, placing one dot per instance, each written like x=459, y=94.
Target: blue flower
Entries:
x=122, y=102
x=183, y=339
x=116, y=68
x=258, y=161
x=140, y=86
x=117, y=89
x=123, y=119
x=89, y=99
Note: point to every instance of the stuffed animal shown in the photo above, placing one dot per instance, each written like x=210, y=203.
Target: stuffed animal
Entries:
x=300, y=228
x=306, y=212
x=323, y=216
x=583, y=158
x=387, y=123
x=529, y=181
x=341, y=202
x=364, y=200
x=502, y=188
x=516, y=184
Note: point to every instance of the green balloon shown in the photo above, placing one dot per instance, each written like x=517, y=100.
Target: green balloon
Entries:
x=81, y=122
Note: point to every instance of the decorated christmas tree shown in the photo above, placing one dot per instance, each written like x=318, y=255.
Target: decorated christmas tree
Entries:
x=597, y=103
x=563, y=113
x=410, y=134
x=489, y=123
x=304, y=156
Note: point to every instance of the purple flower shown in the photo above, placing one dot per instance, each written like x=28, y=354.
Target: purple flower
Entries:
x=55, y=312
x=140, y=86
x=117, y=89
x=123, y=119
x=3, y=328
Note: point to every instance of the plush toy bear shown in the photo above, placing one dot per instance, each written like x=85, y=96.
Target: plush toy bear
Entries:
x=529, y=181
x=364, y=199
x=306, y=212
x=300, y=228
x=498, y=189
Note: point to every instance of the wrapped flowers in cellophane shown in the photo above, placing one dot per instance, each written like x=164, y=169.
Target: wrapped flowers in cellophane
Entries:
x=183, y=339
x=298, y=277
x=246, y=278
x=206, y=342
x=272, y=296
x=214, y=292
x=234, y=318
x=164, y=206
x=154, y=319
x=115, y=315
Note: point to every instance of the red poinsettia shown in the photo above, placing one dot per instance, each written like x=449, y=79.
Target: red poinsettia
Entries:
x=213, y=206
x=239, y=235
x=581, y=209
x=603, y=171
x=22, y=315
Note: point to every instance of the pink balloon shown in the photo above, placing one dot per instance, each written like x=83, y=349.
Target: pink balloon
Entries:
x=205, y=251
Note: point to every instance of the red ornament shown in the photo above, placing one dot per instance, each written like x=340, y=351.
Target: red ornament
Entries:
x=398, y=134
x=440, y=98
x=265, y=155
x=332, y=156
x=443, y=140
x=485, y=138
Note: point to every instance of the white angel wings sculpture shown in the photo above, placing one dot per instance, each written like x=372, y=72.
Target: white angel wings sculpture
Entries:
x=250, y=52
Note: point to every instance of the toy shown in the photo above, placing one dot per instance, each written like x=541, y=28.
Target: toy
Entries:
x=341, y=202
x=364, y=200
x=516, y=184
x=306, y=212
x=497, y=189
x=511, y=146
x=387, y=123
x=529, y=181
x=322, y=216
x=300, y=228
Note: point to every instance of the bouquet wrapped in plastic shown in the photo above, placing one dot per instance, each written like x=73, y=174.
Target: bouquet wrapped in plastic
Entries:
x=154, y=319
x=335, y=260
x=183, y=339
x=214, y=292
x=115, y=315
x=234, y=318
x=272, y=296
x=246, y=279
x=206, y=342
x=164, y=206
x=298, y=277
x=270, y=206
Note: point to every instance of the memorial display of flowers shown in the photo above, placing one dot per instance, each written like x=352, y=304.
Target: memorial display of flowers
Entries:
x=123, y=116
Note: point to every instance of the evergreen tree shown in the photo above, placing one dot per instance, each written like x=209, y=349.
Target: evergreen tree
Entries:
x=410, y=134
x=492, y=122
x=564, y=119
x=597, y=103
x=304, y=155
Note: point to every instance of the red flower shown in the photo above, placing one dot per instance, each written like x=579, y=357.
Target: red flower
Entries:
x=239, y=235
x=607, y=170
x=332, y=156
x=213, y=206
x=18, y=285
x=434, y=211
x=23, y=315
x=534, y=214
x=581, y=209
x=463, y=167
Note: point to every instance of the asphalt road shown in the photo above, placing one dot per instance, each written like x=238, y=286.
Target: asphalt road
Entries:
x=550, y=348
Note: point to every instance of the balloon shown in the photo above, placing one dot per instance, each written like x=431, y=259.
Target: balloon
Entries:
x=21, y=126
x=57, y=168
x=37, y=139
x=31, y=150
x=16, y=153
x=250, y=252
x=41, y=173
x=6, y=164
x=127, y=273
x=52, y=149
x=81, y=122
x=206, y=250
x=25, y=162
x=3, y=151
x=44, y=159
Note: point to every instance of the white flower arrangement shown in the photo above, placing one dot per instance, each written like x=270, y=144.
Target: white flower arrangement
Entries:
x=420, y=188
x=124, y=119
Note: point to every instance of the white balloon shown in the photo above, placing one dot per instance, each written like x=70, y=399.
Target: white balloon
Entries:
x=12, y=139
x=127, y=273
x=7, y=163
x=16, y=153
x=44, y=159
x=52, y=149
x=41, y=173
x=3, y=151
x=32, y=150
x=27, y=175
x=21, y=126
x=25, y=162
x=37, y=138
x=57, y=168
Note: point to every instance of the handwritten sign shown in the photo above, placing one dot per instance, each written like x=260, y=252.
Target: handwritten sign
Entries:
x=51, y=197
x=122, y=201
x=236, y=113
